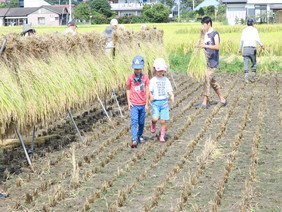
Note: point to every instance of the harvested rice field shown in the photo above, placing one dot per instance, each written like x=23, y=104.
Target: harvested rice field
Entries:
x=217, y=159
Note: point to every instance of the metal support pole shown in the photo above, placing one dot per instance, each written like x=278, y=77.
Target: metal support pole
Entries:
x=33, y=139
x=3, y=46
x=104, y=108
x=173, y=79
x=31, y=151
x=115, y=96
x=25, y=151
x=70, y=115
x=70, y=11
x=178, y=10
x=105, y=100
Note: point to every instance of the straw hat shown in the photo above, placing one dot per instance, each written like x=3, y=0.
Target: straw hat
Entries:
x=27, y=27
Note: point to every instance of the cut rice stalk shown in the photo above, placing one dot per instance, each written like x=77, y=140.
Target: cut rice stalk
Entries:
x=197, y=67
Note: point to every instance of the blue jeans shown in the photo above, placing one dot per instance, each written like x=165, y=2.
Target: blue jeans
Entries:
x=138, y=114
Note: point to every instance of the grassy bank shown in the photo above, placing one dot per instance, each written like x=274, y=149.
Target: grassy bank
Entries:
x=230, y=64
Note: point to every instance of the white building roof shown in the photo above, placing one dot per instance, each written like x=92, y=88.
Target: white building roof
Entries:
x=35, y=3
x=207, y=3
x=264, y=1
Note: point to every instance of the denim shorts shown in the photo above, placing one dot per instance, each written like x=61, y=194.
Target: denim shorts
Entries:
x=160, y=109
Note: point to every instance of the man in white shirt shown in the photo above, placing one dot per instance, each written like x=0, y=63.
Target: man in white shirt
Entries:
x=71, y=28
x=109, y=33
x=249, y=39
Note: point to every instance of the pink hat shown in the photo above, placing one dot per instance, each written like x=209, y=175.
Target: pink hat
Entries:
x=160, y=65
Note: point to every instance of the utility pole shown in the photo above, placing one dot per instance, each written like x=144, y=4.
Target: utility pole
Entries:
x=70, y=10
x=178, y=9
x=193, y=4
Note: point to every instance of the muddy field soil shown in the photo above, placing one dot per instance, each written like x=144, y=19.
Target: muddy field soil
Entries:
x=216, y=159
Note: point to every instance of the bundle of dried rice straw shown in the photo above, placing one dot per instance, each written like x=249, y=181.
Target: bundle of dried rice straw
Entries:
x=197, y=67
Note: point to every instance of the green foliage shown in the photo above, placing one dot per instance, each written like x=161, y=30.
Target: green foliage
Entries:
x=98, y=18
x=139, y=19
x=62, y=2
x=132, y=19
x=146, y=8
x=101, y=6
x=242, y=21
x=221, y=14
x=201, y=12
x=237, y=20
x=179, y=62
x=231, y=67
x=168, y=3
x=221, y=9
x=11, y=4
x=82, y=12
x=210, y=10
x=124, y=19
x=158, y=13
x=189, y=3
x=189, y=14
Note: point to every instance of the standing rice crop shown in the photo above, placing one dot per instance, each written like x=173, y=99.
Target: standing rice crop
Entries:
x=197, y=67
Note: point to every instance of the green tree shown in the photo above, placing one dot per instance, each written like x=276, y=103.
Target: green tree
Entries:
x=189, y=3
x=98, y=18
x=11, y=4
x=146, y=8
x=101, y=6
x=168, y=3
x=210, y=10
x=63, y=2
x=201, y=12
x=82, y=12
x=188, y=14
x=221, y=13
x=157, y=13
x=124, y=19
x=139, y=19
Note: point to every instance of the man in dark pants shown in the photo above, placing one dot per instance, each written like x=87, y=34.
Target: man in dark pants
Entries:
x=249, y=39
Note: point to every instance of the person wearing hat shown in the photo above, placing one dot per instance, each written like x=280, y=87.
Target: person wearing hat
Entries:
x=248, y=42
x=137, y=97
x=160, y=93
x=28, y=30
x=71, y=28
x=143, y=27
x=109, y=33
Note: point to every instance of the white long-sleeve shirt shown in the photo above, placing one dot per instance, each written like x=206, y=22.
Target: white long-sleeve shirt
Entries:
x=250, y=37
x=69, y=31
